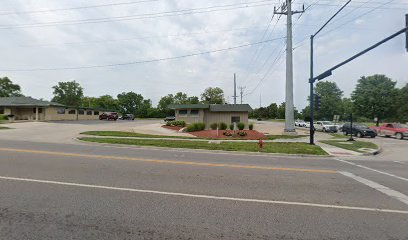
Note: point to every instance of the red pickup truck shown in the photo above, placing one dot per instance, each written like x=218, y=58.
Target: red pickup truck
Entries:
x=392, y=129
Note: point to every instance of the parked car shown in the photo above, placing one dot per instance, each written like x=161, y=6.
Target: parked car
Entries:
x=109, y=116
x=325, y=126
x=170, y=118
x=300, y=123
x=397, y=130
x=358, y=130
x=127, y=117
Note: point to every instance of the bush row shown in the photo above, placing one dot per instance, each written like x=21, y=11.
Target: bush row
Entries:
x=176, y=123
x=223, y=126
x=196, y=127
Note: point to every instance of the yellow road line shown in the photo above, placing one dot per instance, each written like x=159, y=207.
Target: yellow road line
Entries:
x=166, y=161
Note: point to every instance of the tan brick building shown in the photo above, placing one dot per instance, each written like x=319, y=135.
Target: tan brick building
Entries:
x=212, y=113
x=27, y=108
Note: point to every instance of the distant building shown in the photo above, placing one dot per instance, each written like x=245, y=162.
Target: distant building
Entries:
x=27, y=108
x=212, y=113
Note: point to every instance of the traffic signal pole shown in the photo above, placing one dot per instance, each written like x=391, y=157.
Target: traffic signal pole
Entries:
x=311, y=127
x=312, y=79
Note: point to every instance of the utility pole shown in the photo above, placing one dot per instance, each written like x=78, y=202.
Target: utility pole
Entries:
x=286, y=9
x=235, y=90
x=241, y=92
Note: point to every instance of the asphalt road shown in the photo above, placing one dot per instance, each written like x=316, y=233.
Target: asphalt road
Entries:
x=87, y=191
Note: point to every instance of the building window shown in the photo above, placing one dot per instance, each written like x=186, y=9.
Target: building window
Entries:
x=194, y=112
x=81, y=112
x=72, y=111
x=33, y=110
x=182, y=112
x=235, y=119
x=61, y=110
x=1, y=110
x=88, y=112
x=96, y=112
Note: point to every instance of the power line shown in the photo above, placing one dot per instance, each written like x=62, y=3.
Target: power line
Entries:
x=278, y=57
x=135, y=62
x=363, y=14
x=144, y=16
x=134, y=38
x=256, y=54
x=74, y=8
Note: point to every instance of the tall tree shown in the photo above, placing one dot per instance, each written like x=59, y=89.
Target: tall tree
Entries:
x=375, y=96
x=347, y=107
x=8, y=88
x=402, y=104
x=164, y=103
x=330, y=98
x=281, y=111
x=107, y=102
x=68, y=93
x=273, y=110
x=213, y=96
x=178, y=98
x=130, y=102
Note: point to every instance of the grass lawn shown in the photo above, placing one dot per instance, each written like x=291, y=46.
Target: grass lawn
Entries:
x=130, y=134
x=142, y=135
x=289, y=148
x=1, y=128
x=354, y=146
x=273, y=137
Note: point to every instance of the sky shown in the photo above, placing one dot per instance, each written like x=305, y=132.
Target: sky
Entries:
x=158, y=47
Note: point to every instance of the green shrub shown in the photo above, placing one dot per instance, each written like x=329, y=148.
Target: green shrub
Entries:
x=168, y=123
x=223, y=126
x=228, y=134
x=176, y=123
x=3, y=117
x=231, y=126
x=241, y=125
x=251, y=126
x=195, y=127
x=214, y=126
x=242, y=134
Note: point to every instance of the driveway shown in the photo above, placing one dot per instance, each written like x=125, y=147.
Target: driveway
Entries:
x=66, y=131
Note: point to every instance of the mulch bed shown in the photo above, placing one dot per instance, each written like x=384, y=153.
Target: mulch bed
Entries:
x=175, y=128
x=251, y=134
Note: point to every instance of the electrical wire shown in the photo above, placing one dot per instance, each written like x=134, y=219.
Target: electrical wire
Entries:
x=74, y=8
x=136, y=62
x=143, y=16
x=134, y=38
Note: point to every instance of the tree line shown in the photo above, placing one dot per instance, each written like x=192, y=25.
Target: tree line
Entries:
x=374, y=96
x=71, y=93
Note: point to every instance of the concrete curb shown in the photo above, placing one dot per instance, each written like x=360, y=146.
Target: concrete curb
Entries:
x=204, y=150
x=378, y=151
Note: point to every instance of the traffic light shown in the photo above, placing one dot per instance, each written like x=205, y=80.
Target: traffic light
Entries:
x=317, y=102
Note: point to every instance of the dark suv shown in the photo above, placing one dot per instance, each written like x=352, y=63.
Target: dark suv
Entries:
x=359, y=130
x=109, y=116
x=128, y=117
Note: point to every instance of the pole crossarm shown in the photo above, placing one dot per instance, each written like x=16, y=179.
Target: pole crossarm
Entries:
x=329, y=72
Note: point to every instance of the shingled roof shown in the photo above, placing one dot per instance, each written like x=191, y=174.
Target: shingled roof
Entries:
x=25, y=102
x=215, y=107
